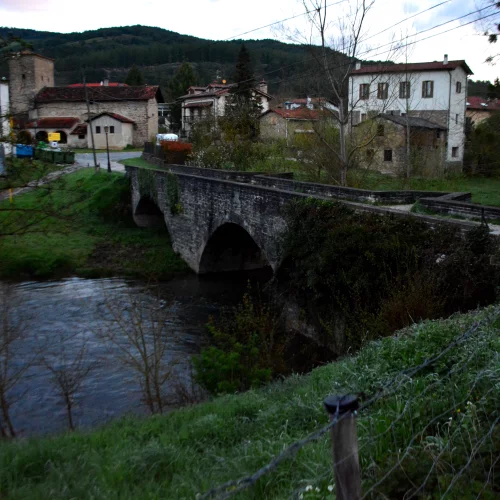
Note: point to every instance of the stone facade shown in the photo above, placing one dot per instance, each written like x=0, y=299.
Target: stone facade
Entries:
x=222, y=225
x=275, y=126
x=28, y=73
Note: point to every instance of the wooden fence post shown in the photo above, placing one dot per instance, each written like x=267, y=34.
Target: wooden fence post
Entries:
x=345, y=446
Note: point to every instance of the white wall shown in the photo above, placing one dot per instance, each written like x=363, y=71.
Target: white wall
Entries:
x=123, y=133
x=445, y=98
x=4, y=109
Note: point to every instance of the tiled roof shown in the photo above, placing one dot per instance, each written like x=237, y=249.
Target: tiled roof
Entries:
x=116, y=116
x=478, y=103
x=412, y=121
x=401, y=68
x=110, y=84
x=297, y=114
x=80, y=129
x=53, y=122
x=100, y=94
x=312, y=100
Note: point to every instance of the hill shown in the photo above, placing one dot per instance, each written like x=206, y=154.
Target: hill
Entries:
x=111, y=52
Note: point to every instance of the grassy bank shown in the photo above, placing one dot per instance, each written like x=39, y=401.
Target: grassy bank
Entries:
x=81, y=224
x=442, y=434
x=21, y=171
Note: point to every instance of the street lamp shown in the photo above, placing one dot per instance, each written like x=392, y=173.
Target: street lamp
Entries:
x=106, y=130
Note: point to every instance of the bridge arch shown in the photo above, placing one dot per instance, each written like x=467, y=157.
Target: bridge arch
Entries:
x=231, y=248
x=148, y=214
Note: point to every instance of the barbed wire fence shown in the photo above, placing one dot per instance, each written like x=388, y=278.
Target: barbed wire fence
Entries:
x=406, y=447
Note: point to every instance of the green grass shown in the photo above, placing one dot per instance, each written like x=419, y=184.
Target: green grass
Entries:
x=21, y=171
x=81, y=226
x=193, y=449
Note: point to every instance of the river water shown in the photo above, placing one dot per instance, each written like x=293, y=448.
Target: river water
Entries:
x=60, y=319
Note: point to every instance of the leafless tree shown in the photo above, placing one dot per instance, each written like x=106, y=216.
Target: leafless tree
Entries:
x=12, y=368
x=138, y=332
x=68, y=374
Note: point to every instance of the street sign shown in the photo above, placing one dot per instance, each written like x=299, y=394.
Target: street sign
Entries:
x=54, y=136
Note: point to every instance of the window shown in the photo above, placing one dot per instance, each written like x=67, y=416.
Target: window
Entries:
x=364, y=91
x=380, y=130
x=383, y=91
x=387, y=154
x=459, y=87
x=428, y=88
x=454, y=152
x=81, y=136
x=24, y=76
x=98, y=130
x=456, y=118
x=438, y=134
x=363, y=117
x=404, y=90
x=111, y=129
x=42, y=78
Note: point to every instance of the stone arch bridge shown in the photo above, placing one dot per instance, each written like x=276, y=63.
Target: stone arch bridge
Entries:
x=226, y=221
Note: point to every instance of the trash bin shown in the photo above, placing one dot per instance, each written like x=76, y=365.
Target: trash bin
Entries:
x=23, y=151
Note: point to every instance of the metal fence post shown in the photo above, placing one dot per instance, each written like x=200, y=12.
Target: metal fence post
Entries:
x=345, y=446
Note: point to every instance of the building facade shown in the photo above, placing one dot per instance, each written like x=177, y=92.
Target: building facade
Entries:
x=435, y=91
x=38, y=107
x=479, y=109
x=209, y=103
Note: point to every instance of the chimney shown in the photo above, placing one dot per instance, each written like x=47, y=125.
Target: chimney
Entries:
x=106, y=82
x=263, y=86
x=445, y=61
x=358, y=65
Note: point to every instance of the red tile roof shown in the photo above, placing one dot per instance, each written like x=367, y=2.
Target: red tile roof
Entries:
x=478, y=103
x=297, y=114
x=110, y=84
x=116, y=116
x=80, y=129
x=30, y=53
x=424, y=66
x=53, y=122
x=100, y=94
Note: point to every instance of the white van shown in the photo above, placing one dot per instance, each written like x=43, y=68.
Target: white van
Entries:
x=166, y=137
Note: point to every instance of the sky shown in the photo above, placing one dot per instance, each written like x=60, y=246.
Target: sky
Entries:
x=224, y=19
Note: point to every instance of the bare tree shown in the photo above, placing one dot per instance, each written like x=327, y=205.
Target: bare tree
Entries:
x=139, y=335
x=69, y=374
x=12, y=368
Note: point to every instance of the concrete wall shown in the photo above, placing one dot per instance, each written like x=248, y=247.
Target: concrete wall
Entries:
x=122, y=135
x=445, y=98
x=28, y=73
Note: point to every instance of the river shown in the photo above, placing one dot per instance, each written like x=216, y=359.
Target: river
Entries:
x=60, y=319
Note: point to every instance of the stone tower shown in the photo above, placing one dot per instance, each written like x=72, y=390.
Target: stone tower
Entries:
x=28, y=73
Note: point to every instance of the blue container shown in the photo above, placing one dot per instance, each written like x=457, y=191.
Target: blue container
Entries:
x=23, y=151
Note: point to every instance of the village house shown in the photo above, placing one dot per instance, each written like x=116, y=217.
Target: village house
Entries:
x=39, y=108
x=434, y=91
x=386, y=139
x=202, y=103
x=295, y=116
x=479, y=109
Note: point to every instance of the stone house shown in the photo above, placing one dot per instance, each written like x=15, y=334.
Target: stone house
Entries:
x=435, y=91
x=479, y=109
x=286, y=124
x=202, y=103
x=4, y=122
x=39, y=107
x=385, y=137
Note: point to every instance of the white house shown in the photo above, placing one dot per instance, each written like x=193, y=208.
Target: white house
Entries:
x=435, y=91
x=210, y=101
x=4, y=120
x=120, y=130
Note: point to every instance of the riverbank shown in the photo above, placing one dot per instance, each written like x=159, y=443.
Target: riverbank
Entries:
x=442, y=435
x=81, y=225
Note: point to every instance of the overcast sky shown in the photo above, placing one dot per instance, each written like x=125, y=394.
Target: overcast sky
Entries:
x=223, y=19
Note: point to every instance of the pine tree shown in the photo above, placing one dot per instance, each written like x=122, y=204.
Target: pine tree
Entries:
x=243, y=77
x=134, y=76
x=177, y=86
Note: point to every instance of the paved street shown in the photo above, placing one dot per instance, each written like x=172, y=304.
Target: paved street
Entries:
x=87, y=159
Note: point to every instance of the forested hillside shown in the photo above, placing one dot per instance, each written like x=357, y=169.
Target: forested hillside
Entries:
x=111, y=52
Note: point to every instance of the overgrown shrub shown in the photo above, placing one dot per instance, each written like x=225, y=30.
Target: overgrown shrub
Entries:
x=378, y=273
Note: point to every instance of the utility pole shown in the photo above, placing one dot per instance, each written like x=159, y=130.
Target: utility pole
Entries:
x=96, y=166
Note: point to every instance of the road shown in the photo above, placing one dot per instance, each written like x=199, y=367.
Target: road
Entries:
x=87, y=159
